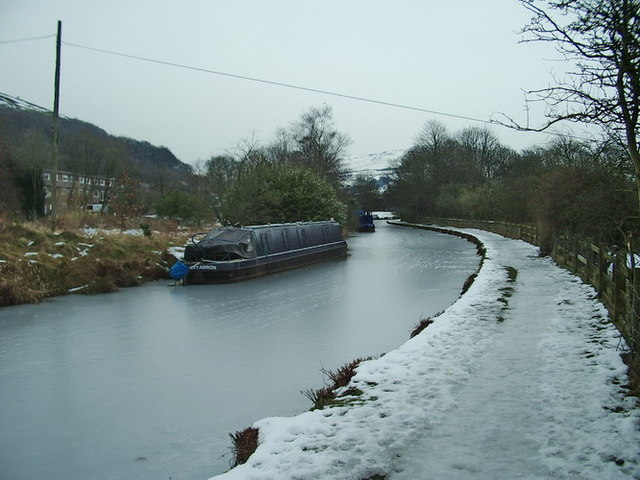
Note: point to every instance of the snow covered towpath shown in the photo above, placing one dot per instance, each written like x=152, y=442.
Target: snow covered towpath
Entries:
x=519, y=379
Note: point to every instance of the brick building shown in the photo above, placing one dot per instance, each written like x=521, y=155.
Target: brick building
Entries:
x=86, y=192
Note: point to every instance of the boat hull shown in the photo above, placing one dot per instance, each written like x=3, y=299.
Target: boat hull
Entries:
x=231, y=271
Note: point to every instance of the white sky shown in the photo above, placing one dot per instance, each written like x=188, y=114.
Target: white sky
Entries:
x=456, y=56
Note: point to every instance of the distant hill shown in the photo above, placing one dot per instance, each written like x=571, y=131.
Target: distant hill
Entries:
x=145, y=161
x=374, y=164
x=145, y=155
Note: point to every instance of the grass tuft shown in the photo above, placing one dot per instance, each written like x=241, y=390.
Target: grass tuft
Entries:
x=420, y=326
x=340, y=378
x=245, y=443
x=468, y=282
x=512, y=274
x=320, y=397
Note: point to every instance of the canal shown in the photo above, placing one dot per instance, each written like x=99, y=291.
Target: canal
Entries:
x=148, y=382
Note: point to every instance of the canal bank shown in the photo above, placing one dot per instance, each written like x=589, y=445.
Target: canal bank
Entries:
x=36, y=263
x=520, y=378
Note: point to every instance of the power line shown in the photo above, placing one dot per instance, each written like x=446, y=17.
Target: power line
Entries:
x=29, y=39
x=316, y=90
x=279, y=84
x=286, y=85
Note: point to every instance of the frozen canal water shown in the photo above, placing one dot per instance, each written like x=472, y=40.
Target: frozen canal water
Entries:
x=147, y=383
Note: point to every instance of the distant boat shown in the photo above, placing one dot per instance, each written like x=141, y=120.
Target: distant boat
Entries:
x=365, y=222
x=236, y=253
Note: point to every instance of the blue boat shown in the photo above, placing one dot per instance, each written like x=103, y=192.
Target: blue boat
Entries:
x=365, y=222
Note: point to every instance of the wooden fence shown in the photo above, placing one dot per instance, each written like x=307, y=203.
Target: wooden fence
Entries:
x=528, y=233
x=614, y=274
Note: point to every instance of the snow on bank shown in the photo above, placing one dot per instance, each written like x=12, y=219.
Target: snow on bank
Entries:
x=92, y=232
x=177, y=252
x=518, y=379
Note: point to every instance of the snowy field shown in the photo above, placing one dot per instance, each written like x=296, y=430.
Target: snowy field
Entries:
x=521, y=378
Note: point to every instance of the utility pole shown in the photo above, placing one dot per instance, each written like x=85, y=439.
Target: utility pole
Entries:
x=54, y=143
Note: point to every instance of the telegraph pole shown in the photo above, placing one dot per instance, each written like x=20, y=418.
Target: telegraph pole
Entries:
x=56, y=121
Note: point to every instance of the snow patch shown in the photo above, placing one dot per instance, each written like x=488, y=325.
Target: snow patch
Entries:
x=75, y=289
x=134, y=231
x=177, y=252
x=92, y=232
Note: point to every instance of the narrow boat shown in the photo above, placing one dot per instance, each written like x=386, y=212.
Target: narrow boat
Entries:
x=237, y=253
x=365, y=222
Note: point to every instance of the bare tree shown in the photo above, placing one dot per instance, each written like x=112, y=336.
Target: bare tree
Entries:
x=248, y=151
x=220, y=172
x=433, y=137
x=366, y=192
x=32, y=151
x=602, y=39
x=484, y=148
x=444, y=161
x=280, y=150
x=319, y=146
x=126, y=203
x=565, y=151
x=91, y=159
x=10, y=195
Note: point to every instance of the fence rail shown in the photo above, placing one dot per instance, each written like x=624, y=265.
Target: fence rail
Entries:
x=528, y=233
x=614, y=274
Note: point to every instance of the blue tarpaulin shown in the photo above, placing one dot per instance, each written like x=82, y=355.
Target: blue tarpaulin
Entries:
x=178, y=271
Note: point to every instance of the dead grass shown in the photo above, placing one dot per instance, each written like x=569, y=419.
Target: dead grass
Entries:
x=77, y=220
x=245, y=443
x=20, y=283
x=36, y=263
x=420, y=326
x=328, y=395
x=468, y=282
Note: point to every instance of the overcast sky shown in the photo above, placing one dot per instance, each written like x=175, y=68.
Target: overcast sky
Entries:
x=460, y=57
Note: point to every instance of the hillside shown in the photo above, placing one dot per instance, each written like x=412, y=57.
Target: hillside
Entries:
x=20, y=120
x=375, y=164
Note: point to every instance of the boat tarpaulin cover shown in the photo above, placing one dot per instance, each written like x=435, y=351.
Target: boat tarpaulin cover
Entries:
x=230, y=242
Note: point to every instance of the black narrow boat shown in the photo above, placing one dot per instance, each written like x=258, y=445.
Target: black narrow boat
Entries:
x=236, y=253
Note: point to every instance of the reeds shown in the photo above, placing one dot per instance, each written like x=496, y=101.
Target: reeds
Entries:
x=328, y=395
x=420, y=326
x=245, y=443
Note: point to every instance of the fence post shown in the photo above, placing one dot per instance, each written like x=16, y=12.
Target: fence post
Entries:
x=602, y=269
x=618, y=288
